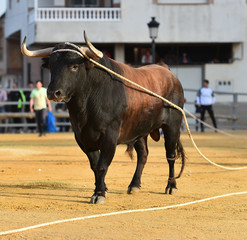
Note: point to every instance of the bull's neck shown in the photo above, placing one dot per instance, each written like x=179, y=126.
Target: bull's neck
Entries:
x=78, y=102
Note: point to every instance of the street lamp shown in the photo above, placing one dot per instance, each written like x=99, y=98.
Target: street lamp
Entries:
x=153, y=33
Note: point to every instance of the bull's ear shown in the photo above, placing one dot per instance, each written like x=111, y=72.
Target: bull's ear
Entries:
x=45, y=62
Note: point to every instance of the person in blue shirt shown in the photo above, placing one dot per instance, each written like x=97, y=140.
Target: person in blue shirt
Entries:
x=205, y=100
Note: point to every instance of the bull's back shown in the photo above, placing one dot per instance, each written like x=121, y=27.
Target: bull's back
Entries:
x=145, y=112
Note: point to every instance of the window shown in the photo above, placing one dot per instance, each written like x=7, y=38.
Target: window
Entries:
x=171, y=54
x=84, y=3
x=184, y=1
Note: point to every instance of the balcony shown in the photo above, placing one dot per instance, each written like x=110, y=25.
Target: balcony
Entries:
x=75, y=14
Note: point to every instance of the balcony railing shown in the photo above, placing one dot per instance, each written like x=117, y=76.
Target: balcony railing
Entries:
x=75, y=14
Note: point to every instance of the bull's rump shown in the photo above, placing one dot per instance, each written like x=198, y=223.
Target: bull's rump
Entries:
x=145, y=112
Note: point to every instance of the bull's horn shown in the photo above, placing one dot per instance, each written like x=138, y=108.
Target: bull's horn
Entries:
x=98, y=54
x=36, y=53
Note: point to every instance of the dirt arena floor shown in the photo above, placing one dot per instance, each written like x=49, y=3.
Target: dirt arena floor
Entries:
x=49, y=178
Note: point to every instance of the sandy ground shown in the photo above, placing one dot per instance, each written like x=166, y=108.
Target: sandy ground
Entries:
x=48, y=179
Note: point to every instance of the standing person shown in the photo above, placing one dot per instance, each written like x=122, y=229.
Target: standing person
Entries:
x=147, y=58
x=16, y=95
x=3, y=98
x=38, y=104
x=184, y=59
x=205, y=99
x=27, y=107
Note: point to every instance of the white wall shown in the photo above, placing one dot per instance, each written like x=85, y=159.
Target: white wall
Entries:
x=59, y=3
x=16, y=18
x=235, y=72
x=190, y=78
x=119, y=54
x=221, y=21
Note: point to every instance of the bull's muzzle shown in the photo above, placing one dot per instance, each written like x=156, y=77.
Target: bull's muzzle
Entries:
x=55, y=95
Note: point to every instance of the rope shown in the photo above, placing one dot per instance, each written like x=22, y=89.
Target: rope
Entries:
x=82, y=54
x=68, y=50
x=171, y=104
x=118, y=213
x=155, y=95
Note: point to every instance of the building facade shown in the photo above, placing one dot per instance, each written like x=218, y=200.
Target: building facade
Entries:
x=211, y=32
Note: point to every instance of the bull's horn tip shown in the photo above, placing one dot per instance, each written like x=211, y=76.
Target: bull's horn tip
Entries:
x=24, y=40
x=85, y=35
x=23, y=46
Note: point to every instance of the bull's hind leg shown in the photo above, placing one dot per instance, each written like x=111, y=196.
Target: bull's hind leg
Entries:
x=171, y=135
x=142, y=153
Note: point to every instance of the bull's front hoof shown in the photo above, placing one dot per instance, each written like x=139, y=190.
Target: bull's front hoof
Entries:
x=170, y=190
x=95, y=199
x=171, y=186
x=133, y=190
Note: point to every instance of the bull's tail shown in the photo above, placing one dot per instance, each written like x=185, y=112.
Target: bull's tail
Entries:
x=180, y=154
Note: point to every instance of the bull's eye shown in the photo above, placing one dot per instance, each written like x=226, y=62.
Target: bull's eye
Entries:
x=74, y=68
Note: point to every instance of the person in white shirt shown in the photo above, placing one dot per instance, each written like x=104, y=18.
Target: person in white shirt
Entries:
x=205, y=100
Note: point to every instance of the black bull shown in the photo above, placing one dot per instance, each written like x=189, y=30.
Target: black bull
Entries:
x=105, y=111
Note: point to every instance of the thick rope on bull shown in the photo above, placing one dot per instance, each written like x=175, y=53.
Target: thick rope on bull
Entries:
x=171, y=104
x=82, y=54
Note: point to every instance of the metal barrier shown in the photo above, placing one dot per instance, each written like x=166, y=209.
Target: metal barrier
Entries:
x=7, y=117
x=8, y=125
x=230, y=108
x=230, y=111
